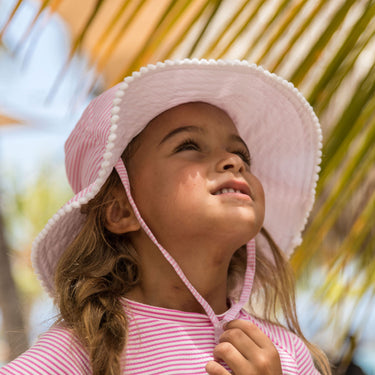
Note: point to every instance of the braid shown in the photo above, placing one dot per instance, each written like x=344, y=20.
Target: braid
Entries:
x=94, y=272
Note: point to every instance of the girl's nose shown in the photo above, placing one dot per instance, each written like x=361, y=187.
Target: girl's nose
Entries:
x=230, y=162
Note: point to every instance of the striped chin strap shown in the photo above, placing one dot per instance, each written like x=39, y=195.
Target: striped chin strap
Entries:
x=232, y=313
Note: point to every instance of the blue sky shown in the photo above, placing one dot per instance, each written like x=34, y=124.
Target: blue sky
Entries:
x=27, y=75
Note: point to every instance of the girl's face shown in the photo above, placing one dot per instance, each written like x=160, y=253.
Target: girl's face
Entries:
x=191, y=178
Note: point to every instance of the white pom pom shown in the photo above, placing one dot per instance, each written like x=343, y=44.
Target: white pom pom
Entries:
x=115, y=118
x=75, y=204
x=120, y=93
x=112, y=137
x=115, y=110
x=107, y=155
x=82, y=200
x=68, y=208
x=124, y=84
x=113, y=128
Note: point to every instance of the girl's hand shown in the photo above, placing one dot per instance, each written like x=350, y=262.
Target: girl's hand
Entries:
x=246, y=350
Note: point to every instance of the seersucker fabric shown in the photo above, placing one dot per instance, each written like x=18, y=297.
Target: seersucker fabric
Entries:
x=160, y=341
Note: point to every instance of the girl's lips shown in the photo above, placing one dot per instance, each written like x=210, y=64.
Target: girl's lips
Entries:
x=234, y=194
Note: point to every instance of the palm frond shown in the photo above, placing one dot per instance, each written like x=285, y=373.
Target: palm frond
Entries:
x=280, y=30
x=173, y=14
x=364, y=93
x=181, y=36
x=223, y=29
x=342, y=54
x=301, y=71
x=266, y=28
x=75, y=47
x=236, y=32
x=103, y=55
x=106, y=32
x=356, y=171
x=295, y=37
x=206, y=24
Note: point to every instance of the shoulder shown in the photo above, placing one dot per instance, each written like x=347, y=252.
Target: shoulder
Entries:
x=57, y=351
x=295, y=346
x=290, y=346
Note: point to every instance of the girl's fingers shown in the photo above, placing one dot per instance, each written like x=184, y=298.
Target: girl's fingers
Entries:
x=251, y=331
x=229, y=354
x=214, y=368
x=240, y=339
x=247, y=350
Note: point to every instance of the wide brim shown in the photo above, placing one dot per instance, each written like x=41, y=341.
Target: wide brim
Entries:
x=274, y=119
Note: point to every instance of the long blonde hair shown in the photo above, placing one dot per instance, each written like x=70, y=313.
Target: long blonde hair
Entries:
x=99, y=267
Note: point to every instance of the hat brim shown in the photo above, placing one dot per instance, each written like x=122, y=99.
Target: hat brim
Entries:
x=273, y=118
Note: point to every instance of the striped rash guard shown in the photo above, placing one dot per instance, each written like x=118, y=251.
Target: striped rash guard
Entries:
x=160, y=341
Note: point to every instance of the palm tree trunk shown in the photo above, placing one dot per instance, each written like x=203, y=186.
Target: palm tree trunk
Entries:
x=13, y=322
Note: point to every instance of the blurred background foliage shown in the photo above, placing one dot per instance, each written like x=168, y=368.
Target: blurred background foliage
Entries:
x=325, y=47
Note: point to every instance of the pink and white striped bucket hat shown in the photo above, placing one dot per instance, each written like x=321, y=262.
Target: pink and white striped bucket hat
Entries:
x=274, y=119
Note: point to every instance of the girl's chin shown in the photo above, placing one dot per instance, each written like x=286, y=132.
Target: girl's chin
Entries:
x=239, y=235
x=247, y=227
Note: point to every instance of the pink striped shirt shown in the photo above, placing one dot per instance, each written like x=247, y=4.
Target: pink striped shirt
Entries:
x=161, y=341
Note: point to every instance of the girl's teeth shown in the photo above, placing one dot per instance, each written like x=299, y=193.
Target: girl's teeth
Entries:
x=230, y=190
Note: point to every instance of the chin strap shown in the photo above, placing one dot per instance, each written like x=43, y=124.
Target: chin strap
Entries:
x=249, y=274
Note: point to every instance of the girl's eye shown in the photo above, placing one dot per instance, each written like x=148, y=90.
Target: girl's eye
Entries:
x=244, y=155
x=187, y=145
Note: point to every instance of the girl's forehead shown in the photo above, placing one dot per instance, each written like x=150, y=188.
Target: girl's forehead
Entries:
x=200, y=114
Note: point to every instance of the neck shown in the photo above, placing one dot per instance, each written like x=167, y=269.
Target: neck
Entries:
x=176, y=296
x=205, y=268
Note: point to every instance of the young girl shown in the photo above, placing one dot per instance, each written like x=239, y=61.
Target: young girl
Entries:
x=193, y=182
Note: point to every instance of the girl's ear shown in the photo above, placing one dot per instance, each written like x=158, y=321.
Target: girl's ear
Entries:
x=119, y=215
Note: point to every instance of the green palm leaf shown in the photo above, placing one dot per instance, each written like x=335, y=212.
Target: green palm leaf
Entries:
x=315, y=51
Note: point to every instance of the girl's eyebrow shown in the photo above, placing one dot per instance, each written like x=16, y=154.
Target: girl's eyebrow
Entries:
x=237, y=138
x=197, y=129
x=188, y=128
